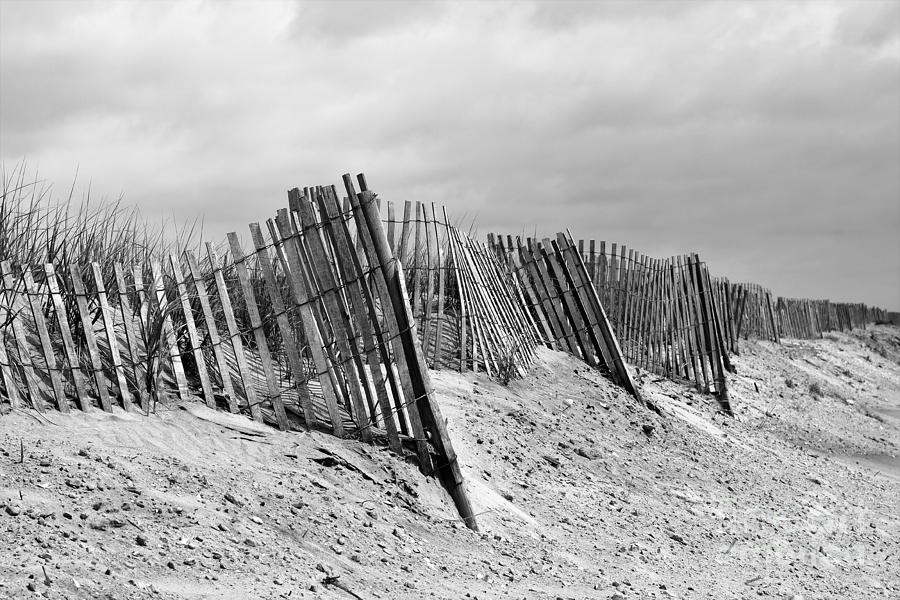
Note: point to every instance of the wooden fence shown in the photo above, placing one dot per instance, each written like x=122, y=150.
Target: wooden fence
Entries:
x=666, y=313
x=806, y=319
x=310, y=326
x=562, y=304
x=755, y=313
x=751, y=310
x=332, y=314
x=469, y=311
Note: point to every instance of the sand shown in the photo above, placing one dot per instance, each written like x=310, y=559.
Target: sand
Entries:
x=797, y=496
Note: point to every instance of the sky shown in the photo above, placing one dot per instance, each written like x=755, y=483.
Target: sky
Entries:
x=765, y=136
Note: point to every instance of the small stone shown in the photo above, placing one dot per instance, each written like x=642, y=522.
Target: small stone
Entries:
x=230, y=498
x=647, y=428
x=141, y=540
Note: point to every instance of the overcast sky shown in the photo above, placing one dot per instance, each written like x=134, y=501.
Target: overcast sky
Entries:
x=765, y=136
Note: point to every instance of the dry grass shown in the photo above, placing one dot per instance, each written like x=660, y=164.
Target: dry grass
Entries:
x=37, y=228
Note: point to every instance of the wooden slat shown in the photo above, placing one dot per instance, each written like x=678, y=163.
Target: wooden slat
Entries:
x=575, y=273
x=498, y=325
x=169, y=340
x=10, y=385
x=513, y=304
x=550, y=300
x=572, y=313
x=284, y=326
x=87, y=325
x=351, y=363
x=427, y=325
x=454, y=260
x=37, y=313
x=439, y=329
x=262, y=345
x=111, y=339
x=134, y=357
x=417, y=265
x=390, y=226
x=521, y=306
x=478, y=322
x=212, y=330
x=505, y=306
x=494, y=339
x=405, y=232
x=62, y=320
x=234, y=336
x=352, y=326
x=424, y=393
x=193, y=337
x=320, y=314
x=710, y=330
x=400, y=326
x=22, y=347
x=694, y=324
x=300, y=287
x=366, y=314
x=532, y=302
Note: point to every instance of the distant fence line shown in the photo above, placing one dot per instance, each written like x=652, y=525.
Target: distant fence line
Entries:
x=665, y=312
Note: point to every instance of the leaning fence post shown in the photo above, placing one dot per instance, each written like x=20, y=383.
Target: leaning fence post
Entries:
x=421, y=380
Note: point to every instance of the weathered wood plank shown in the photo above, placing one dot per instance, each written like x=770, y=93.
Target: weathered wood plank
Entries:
x=169, y=338
x=87, y=326
x=366, y=314
x=134, y=357
x=284, y=326
x=19, y=334
x=351, y=362
x=62, y=320
x=212, y=330
x=193, y=337
x=393, y=272
x=262, y=345
x=300, y=287
x=111, y=339
x=234, y=336
x=401, y=332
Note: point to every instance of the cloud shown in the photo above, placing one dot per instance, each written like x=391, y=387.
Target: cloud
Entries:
x=764, y=136
x=350, y=20
x=872, y=25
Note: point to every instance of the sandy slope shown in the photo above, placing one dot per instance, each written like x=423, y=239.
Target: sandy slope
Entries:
x=798, y=496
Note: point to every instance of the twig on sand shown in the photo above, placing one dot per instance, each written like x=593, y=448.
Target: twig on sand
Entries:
x=135, y=524
x=334, y=581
